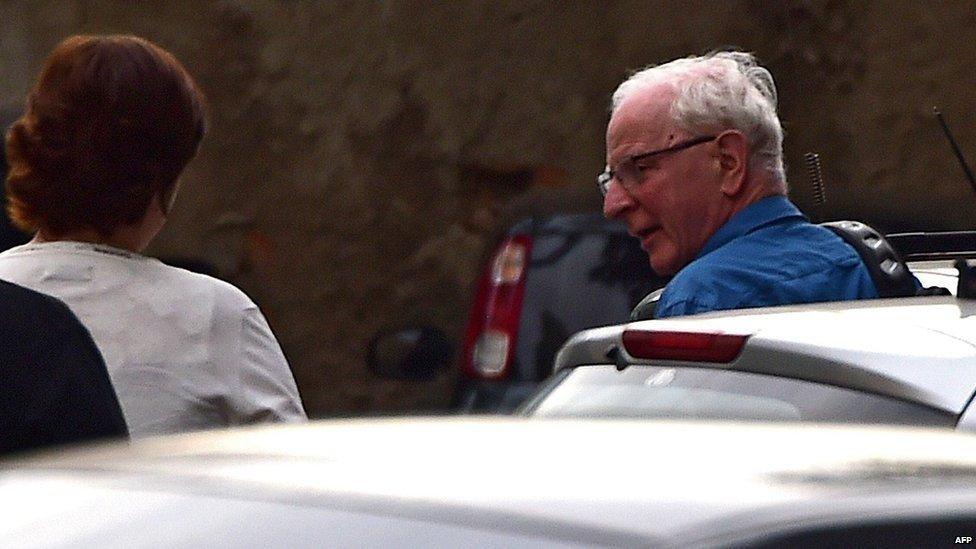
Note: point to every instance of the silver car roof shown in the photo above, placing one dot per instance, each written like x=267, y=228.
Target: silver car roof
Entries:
x=559, y=482
x=919, y=349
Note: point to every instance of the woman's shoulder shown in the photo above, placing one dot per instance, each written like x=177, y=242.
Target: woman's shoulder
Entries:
x=186, y=282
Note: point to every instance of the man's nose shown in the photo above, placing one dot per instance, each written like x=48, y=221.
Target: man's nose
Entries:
x=617, y=201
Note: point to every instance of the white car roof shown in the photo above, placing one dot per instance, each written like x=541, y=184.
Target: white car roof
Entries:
x=921, y=349
x=530, y=481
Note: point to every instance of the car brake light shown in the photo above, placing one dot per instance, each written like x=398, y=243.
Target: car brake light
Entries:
x=489, y=341
x=687, y=346
x=509, y=263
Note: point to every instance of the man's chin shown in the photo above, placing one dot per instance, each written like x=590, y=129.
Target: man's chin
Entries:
x=663, y=267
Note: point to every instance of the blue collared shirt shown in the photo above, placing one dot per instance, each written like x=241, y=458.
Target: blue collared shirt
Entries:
x=767, y=254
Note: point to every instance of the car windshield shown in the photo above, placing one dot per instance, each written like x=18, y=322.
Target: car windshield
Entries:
x=703, y=393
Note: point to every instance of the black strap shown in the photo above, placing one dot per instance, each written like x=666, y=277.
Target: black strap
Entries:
x=888, y=271
x=645, y=309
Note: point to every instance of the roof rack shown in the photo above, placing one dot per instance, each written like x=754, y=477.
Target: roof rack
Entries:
x=928, y=246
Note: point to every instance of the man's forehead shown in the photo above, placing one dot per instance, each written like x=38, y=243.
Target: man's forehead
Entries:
x=644, y=113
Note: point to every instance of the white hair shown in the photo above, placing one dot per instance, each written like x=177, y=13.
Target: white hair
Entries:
x=719, y=91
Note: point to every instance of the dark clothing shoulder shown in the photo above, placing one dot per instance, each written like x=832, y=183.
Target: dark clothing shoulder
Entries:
x=54, y=388
x=767, y=254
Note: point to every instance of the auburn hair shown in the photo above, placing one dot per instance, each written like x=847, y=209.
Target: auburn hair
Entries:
x=110, y=124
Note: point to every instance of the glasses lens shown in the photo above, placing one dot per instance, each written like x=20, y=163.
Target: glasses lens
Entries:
x=603, y=181
x=627, y=174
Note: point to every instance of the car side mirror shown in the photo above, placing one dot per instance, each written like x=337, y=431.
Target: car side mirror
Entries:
x=411, y=354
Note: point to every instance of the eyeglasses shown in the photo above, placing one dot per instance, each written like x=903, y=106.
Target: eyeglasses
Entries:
x=629, y=174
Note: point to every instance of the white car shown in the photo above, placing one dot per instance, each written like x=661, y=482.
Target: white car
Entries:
x=501, y=482
x=909, y=360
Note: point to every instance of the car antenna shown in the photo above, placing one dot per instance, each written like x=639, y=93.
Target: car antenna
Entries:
x=967, y=274
x=955, y=147
x=815, y=174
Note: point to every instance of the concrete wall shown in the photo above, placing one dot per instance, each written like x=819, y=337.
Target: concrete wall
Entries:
x=362, y=153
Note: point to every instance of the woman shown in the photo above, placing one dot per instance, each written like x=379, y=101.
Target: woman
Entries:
x=94, y=168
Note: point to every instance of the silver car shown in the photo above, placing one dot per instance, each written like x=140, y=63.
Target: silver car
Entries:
x=501, y=482
x=890, y=361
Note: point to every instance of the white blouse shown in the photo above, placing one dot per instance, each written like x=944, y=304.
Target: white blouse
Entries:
x=185, y=351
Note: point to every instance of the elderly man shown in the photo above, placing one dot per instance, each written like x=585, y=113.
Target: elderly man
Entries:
x=695, y=171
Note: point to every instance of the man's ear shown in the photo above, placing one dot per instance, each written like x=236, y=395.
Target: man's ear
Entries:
x=733, y=160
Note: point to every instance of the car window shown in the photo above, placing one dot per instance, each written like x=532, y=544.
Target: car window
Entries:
x=577, y=281
x=704, y=393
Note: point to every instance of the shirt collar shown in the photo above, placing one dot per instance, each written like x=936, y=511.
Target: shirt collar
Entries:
x=77, y=246
x=754, y=216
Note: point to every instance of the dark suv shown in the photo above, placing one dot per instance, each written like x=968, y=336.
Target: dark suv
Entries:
x=546, y=279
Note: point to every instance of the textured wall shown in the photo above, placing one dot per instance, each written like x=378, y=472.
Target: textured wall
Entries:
x=357, y=161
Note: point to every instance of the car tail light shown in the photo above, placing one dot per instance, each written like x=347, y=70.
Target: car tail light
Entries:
x=688, y=346
x=489, y=342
